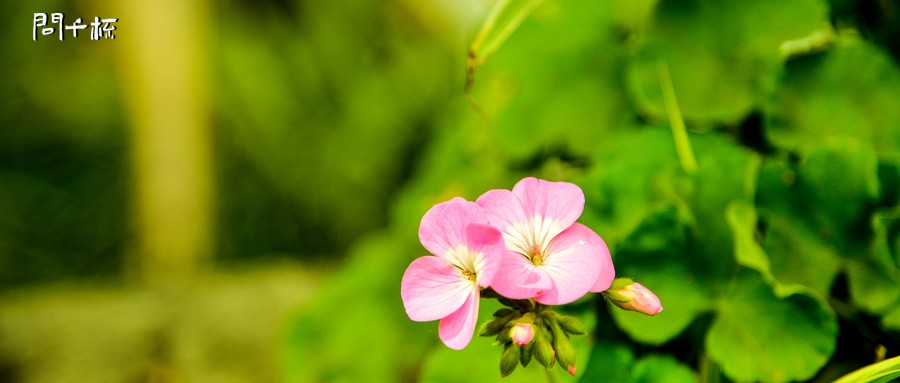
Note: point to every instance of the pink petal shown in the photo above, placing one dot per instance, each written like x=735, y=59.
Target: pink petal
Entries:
x=432, y=289
x=487, y=242
x=573, y=262
x=518, y=278
x=505, y=212
x=560, y=202
x=443, y=226
x=607, y=270
x=456, y=330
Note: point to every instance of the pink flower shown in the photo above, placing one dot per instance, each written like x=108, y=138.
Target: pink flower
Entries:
x=549, y=257
x=467, y=255
x=522, y=333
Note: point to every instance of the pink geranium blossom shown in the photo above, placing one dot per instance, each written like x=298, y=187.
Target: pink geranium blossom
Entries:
x=467, y=255
x=549, y=256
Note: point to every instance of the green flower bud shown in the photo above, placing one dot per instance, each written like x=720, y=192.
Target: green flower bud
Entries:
x=527, y=353
x=565, y=352
x=543, y=350
x=502, y=312
x=496, y=325
x=505, y=335
x=571, y=325
x=509, y=360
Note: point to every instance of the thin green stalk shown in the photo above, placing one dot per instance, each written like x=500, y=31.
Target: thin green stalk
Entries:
x=884, y=371
x=679, y=133
x=551, y=376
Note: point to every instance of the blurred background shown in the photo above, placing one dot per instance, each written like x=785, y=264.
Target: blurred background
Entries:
x=230, y=191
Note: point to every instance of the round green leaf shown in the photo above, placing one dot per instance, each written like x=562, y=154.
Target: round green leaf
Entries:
x=758, y=336
x=682, y=297
x=616, y=364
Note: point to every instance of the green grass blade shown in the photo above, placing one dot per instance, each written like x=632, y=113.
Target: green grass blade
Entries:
x=884, y=371
x=505, y=17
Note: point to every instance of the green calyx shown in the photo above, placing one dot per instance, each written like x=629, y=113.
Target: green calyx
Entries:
x=617, y=288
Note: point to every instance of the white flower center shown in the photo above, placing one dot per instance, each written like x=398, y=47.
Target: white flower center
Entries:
x=470, y=263
x=532, y=238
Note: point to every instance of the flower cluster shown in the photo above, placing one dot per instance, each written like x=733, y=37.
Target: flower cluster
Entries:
x=525, y=246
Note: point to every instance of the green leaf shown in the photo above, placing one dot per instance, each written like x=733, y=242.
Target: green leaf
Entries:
x=875, y=278
x=892, y=319
x=661, y=369
x=796, y=254
x=722, y=69
x=741, y=217
x=681, y=247
x=813, y=101
x=818, y=221
x=553, y=89
x=881, y=372
x=505, y=17
x=838, y=178
x=758, y=336
x=623, y=189
x=609, y=363
x=617, y=364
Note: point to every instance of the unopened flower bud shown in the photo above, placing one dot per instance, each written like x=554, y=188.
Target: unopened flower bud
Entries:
x=565, y=353
x=509, y=360
x=570, y=325
x=543, y=350
x=633, y=296
x=522, y=333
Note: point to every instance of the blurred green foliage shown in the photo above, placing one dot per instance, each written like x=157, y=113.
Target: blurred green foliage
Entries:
x=338, y=124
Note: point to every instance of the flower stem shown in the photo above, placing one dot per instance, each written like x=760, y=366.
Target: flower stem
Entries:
x=679, y=133
x=551, y=376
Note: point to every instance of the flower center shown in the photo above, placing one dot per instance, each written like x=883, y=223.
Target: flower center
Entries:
x=536, y=257
x=469, y=275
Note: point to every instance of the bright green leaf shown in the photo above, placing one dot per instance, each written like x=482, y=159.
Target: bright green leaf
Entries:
x=616, y=364
x=662, y=369
x=758, y=336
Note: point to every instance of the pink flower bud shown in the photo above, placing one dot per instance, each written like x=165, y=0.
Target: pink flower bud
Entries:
x=522, y=333
x=634, y=297
x=571, y=370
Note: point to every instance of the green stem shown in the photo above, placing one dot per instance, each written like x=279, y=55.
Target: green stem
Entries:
x=679, y=132
x=551, y=376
